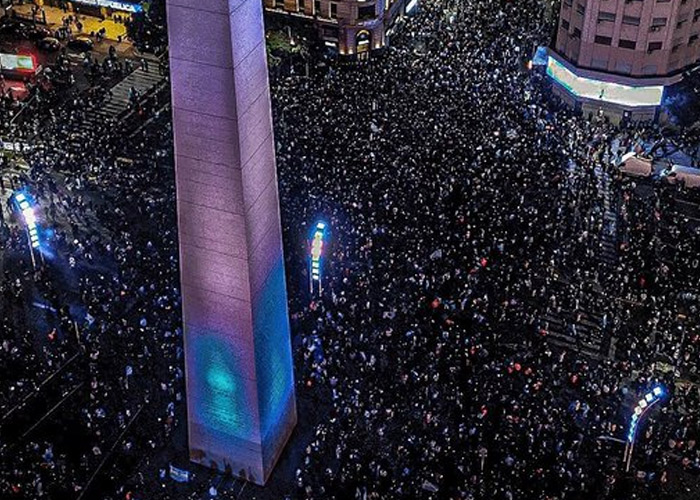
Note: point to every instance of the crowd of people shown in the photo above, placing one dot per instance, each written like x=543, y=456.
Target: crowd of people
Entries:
x=103, y=283
x=467, y=209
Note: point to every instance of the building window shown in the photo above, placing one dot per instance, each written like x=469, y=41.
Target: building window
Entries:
x=631, y=20
x=279, y=4
x=675, y=48
x=627, y=44
x=693, y=39
x=330, y=33
x=657, y=23
x=301, y=5
x=663, y=1
x=654, y=46
x=334, y=10
x=367, y=12
x=680, y=23
x=576, y=33
x=603, y=40
x=606, y=16
x=580, y=9
x=696, y=15
x=317, y=8
x=565, y=24
x=568, y=3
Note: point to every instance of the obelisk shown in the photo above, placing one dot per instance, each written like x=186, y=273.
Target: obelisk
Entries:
x=240, y=386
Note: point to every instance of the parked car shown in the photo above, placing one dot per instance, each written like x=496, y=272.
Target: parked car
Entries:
x=14, y=30
x=49, y=44
x=81, y=44
x=38, y=32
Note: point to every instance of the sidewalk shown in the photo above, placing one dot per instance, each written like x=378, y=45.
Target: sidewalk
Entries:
x=55, y=16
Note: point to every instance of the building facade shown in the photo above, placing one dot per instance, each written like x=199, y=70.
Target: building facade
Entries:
x=241, y=407
x=635, y=43
x=353, y=28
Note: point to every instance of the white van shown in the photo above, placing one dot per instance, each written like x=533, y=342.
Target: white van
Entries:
x=675, y=173
x=634, y=165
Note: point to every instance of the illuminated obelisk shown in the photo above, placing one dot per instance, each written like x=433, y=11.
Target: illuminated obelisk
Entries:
x=240, y=388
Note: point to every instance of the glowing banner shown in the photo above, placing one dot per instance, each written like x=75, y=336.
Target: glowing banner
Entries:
x=12, y=62
x=598, y=90
x=113, y=4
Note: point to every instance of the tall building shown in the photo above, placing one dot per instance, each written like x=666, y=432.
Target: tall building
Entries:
x=240, y=388
x=638, y=46
x=352, y=27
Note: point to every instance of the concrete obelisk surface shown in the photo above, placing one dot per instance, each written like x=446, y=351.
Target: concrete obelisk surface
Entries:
x=240, y=387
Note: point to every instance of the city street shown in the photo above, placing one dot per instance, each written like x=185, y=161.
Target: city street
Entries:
x=494, y=308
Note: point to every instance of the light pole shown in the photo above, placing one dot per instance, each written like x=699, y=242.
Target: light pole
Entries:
x=30, y=225
x=642, y=408
x=317, y=243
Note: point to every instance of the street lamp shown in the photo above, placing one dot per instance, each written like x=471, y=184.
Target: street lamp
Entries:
x=643, y=406
x=317, y=243
x=27, y=210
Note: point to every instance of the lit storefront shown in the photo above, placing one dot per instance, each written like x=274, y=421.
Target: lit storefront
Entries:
x=600, y=93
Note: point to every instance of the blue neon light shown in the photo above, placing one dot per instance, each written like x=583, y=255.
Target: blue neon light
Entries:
x=650, y=399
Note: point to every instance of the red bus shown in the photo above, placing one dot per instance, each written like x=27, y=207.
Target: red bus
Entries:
x=18, y=66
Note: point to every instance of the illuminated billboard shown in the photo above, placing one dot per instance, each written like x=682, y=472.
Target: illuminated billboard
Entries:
x=113, y=4
x=12, y=62
x=597, y=90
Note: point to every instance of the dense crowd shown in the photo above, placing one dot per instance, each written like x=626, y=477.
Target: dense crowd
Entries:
x=104, y=283
x=445, y=358
x=469, y=210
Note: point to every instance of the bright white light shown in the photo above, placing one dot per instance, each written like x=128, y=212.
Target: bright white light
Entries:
x=29, y=217
x=658, y=391
x=649, y=397
x=411, y=5
x=598, y=90
x=114, y=4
